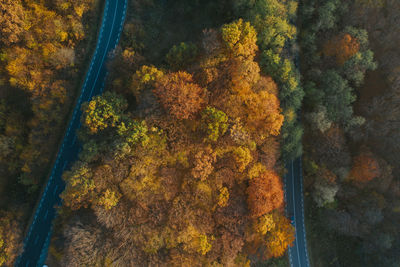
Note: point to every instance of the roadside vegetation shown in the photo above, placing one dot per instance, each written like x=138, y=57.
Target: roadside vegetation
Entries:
x=183, y=155
x=182, y=159
x=43, y=52
x=350, y=162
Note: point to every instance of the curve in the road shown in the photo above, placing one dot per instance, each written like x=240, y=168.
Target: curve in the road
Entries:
x=39, y=233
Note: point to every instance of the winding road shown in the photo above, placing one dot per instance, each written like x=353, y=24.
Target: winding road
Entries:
x=298, y=255
x=38, y=237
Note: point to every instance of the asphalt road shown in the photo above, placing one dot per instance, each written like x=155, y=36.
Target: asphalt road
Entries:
x=298, y=255
x=37, y=240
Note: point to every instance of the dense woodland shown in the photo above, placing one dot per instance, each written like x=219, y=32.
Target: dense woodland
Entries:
x=351, y=111
x=43, y=47
x=181, y=162
x=182, y=158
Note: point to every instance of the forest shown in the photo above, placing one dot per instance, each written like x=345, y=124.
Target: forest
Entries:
x=182, y=159
x=350, y=63
x=43, y=53
x=182, y=156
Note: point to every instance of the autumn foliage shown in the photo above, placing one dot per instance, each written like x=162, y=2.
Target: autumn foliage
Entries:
x=10, y=238
x=273, y=230
x=365, y=167
x=280, y=236
x=181, y=187
x=341, y=47
x=39, y=58
x=239, y=39
x=11, y=21
x=44, y=52
x=265, y=193
x=263, y=112
x=179, y=94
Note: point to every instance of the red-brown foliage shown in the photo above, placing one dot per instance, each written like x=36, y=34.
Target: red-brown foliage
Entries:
x=179, y=95
x=342, y=47
x=265, y=194
x=365, y=167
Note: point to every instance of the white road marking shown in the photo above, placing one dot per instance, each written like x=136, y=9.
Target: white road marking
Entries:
x=302, y=203
x=104, y=56
x=294, y=214
x=78, y=105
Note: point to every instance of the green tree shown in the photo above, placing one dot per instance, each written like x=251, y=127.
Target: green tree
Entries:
x=354, y=69
x=103, y=111
x=318, y=119
x=80, y=187
x=326, y=14
x=133, y=132
x=214, y=122
x=145, y=78
x=271, y=20
x=91, y=150
x=338, y=97
x=182, y=55
x=313, y=95
x=292, y=140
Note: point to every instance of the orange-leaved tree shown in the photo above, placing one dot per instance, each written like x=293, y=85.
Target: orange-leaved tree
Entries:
x=179, y=95
x=365, y=167
x=265, y=193
x=342, y=47
x=263, y=112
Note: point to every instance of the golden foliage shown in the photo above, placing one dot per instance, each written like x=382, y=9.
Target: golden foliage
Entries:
x=239, y=38
x=280, y=236
x=223, y=197
x=108, y=199
x=243, y=157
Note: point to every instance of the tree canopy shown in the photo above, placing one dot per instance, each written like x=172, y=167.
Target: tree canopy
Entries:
x=183, y=183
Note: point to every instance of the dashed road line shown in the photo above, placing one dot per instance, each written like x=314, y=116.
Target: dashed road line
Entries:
x=108, y=43
x=75, y=112
x=302, y=202
x=294, y=214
